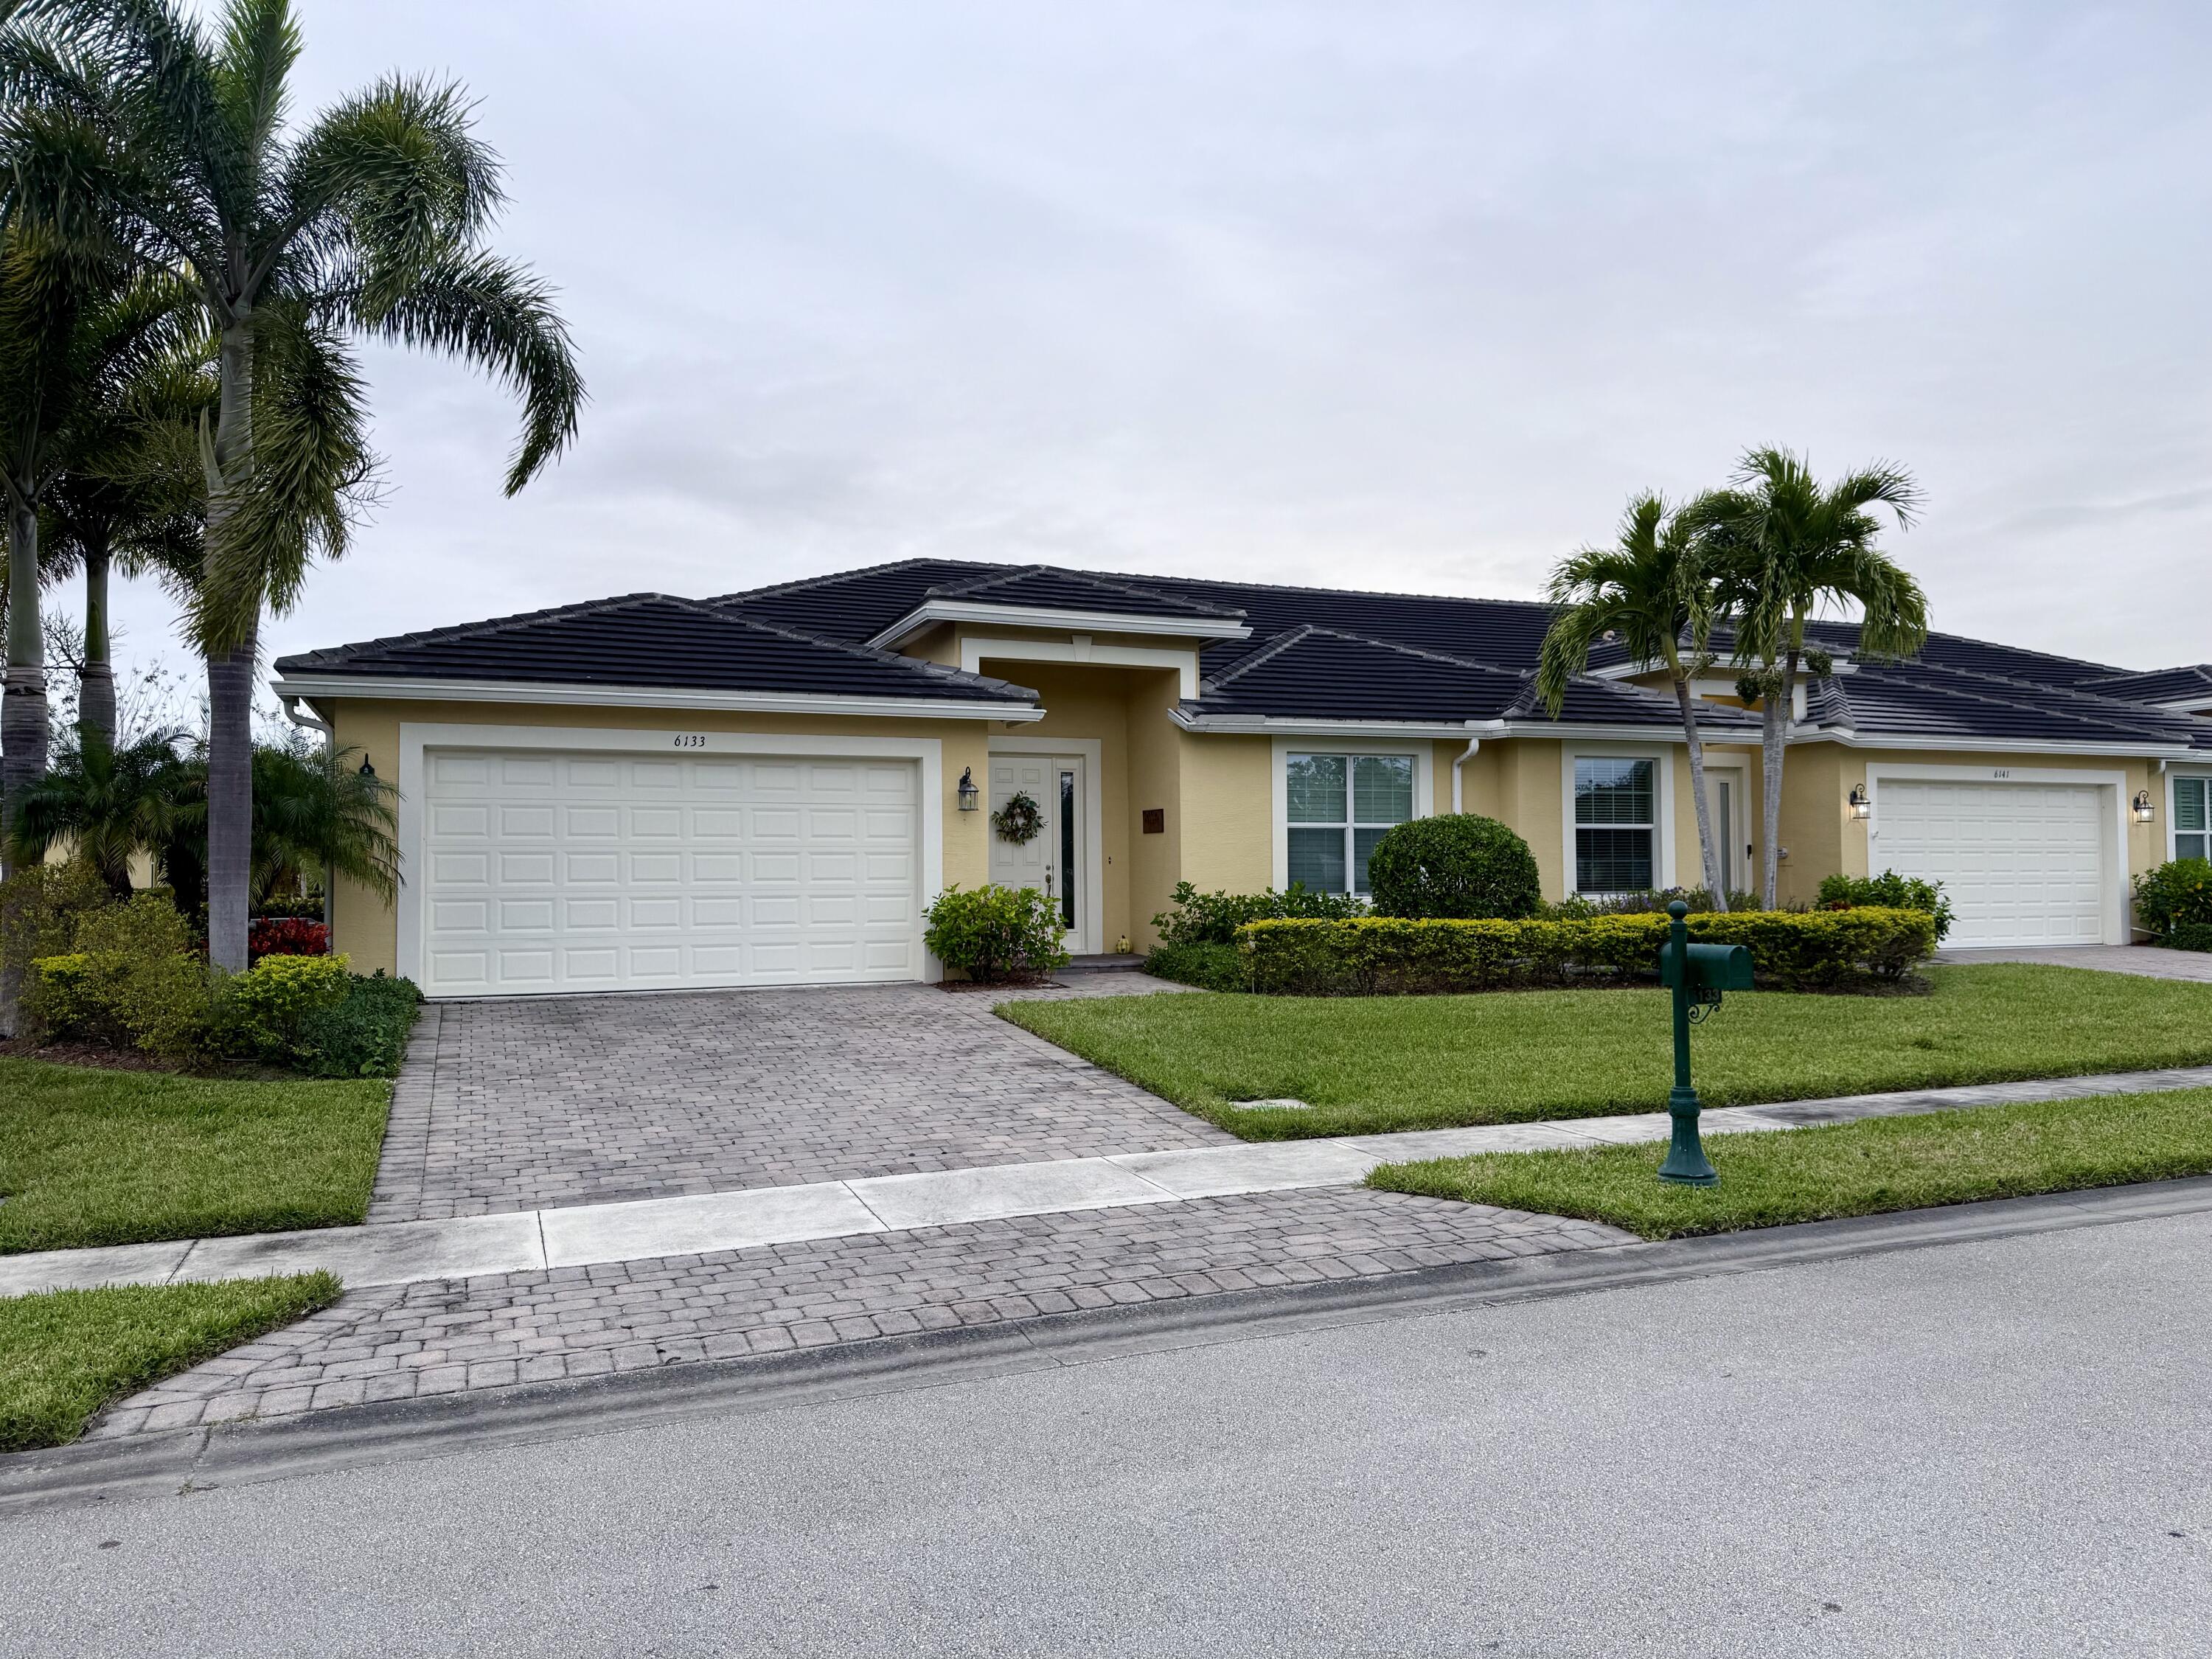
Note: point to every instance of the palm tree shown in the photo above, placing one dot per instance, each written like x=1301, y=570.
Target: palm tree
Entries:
x=1651, y=589
x=1781, y=545
x=317, y=813
x=106, y=803
x=140, y=128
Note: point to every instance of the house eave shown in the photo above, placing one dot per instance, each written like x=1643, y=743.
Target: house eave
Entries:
x=1311, y=726
x=934, y=611
x=395, y=688
x=1990, y=745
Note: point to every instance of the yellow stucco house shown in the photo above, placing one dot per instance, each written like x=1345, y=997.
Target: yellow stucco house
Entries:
x=653, y=793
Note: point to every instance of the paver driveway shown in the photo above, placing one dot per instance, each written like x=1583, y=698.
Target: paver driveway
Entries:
x=514, y=1104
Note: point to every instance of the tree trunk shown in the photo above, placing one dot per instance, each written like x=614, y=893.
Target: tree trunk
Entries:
x=22, y=710
x=1774, y=730
x=95, y=681
x=230, y=674
x=1708, y=853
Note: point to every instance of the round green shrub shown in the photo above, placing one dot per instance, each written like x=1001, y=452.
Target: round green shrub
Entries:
x=1458, y=865
x=2175, y=895
x=995, y=934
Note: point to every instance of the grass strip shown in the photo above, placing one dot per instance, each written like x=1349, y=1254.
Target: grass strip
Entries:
x=66, y=1354
x=1373, y=1065
x=1773, y=1178
x=93, y=1156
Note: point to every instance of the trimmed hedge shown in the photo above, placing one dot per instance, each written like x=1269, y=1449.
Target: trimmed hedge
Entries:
x=1459, y=865
x=1388, y=956
x=1208, y=966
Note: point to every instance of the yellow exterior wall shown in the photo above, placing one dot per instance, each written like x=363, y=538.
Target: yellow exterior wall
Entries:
x=1228, y=792
x=1154, y=782
x=367, y=928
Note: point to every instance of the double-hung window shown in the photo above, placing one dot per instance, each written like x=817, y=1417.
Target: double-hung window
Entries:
x=1616, y=825
x=2192, y=818
x=1339, y=806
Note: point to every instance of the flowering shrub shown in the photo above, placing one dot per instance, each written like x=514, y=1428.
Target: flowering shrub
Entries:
x=287, y=936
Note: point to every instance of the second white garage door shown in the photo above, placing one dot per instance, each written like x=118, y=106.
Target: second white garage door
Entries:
x=2023, y=864
x=572, y=872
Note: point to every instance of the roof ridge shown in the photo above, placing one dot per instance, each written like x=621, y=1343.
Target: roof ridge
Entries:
x=1274, y=647
x=851, y=648
x=2022, y=694
x=1093, y=578
x=801, y=584
x=484, y=625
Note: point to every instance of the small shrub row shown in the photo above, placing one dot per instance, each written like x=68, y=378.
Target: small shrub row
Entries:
x=1890, y=891
x=287, y=936
x=1210, y=967
x=2174, y=904
x=996, y=935
x=1652, y=900
x=1385, y=956
x=1213, y=918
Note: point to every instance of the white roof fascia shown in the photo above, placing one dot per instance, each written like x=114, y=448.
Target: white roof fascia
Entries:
x=932, y=611
x=380, y=687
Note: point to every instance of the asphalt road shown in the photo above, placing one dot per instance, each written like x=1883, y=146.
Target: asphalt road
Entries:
x=2000, y=1448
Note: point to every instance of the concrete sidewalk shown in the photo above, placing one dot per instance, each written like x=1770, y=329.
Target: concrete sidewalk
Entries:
x=596, y=1235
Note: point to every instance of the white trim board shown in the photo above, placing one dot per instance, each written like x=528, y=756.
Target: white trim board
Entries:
x=2167, y=806
x=932, y=611
x=1082, y=648
x=2113, y=855
x=1425, y=760
x=416, y=737
x=1090, y=751
x=372, y=690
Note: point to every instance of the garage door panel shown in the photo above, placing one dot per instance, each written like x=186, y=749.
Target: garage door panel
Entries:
x=2022, y=864
x=731, y=871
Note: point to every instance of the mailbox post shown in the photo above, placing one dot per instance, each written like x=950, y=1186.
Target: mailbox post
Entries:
x=1697, y=975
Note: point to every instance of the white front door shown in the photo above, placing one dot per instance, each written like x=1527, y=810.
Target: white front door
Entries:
x=1052, y=861
x=2021, y=863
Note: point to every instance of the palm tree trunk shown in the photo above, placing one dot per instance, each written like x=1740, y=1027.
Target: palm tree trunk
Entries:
x=230, y=676
x=1708, y=853
x=1773, y=733
x=95, y=681
x=22, y=716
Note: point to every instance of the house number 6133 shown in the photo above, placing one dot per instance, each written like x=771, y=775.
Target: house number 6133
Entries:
x=691, y=740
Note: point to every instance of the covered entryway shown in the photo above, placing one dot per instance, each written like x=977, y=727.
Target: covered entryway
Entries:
x=2024, y=863
x=556, y=871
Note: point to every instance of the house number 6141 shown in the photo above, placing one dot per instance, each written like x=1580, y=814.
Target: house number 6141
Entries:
x=691, y=740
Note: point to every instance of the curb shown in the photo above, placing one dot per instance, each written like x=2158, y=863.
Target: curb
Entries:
x=249, y=1452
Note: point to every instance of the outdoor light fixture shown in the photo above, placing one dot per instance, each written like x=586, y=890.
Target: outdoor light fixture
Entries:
x=970, y=795
x=2143, y=806
x=1862, y=803
x=367, y=770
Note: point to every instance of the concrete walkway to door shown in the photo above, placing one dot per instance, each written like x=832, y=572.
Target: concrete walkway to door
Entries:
x=522, y=1104
x=2144, y=959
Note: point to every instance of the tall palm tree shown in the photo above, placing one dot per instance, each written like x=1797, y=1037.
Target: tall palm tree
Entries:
x=1650, y=589
x=138, y=127
x=1783, y=546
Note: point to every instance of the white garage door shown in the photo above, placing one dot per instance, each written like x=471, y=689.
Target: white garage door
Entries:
x=2022, y=863
x=559, y=872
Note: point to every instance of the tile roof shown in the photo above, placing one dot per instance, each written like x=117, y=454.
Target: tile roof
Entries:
x=651, y=640
x=1318, y=653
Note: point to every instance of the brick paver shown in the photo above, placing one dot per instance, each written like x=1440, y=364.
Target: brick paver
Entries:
x=522, y=1104
x=492, y=1333
x=2148, y=960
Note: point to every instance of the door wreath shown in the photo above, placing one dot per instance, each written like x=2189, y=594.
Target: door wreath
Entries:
x=1020, y=820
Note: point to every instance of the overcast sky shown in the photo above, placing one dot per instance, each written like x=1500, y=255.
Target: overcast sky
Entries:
x=1383, y=296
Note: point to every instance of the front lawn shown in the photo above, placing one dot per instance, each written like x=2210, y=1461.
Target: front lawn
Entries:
x=95, y=1156
x=1370, y=1064
x=1769, y=1178
x=65, y=1354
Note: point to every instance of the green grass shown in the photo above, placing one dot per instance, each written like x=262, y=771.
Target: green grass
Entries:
x=1771, y=1178
x=97, y=1157
x=1370, y=1065
x=65, y=1354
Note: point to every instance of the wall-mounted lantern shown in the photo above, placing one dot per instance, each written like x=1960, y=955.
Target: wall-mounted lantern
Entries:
x=367, y=770
x=970, y=796
x=1862, y=803
x=2143, y=806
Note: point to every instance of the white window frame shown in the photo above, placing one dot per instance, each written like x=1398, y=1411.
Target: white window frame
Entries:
x=1662, y=757
x=1423, y=755
x=2173, y=777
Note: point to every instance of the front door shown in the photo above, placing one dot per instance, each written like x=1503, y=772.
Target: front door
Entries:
x=1052, y=859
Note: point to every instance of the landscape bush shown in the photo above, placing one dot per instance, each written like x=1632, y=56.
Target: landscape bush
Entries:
x=2189, y=936
x=1201, y=962
x=269, y=1004
x=2175, y=899
x=1891, y=891
x=1458, y=865
x=1651, y=901
x=131, y=978
x=287, y=936
x=1380, y=956
x=365, y=1034
x=1213, y=918
x=996, y=934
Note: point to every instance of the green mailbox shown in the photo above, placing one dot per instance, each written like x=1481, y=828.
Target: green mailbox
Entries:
x=1696, y=974
x=1712, y=966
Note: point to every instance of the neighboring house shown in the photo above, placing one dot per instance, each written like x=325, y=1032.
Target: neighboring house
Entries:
x=765, y=788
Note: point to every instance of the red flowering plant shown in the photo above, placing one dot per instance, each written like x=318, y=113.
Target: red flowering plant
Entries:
x=287, y=936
